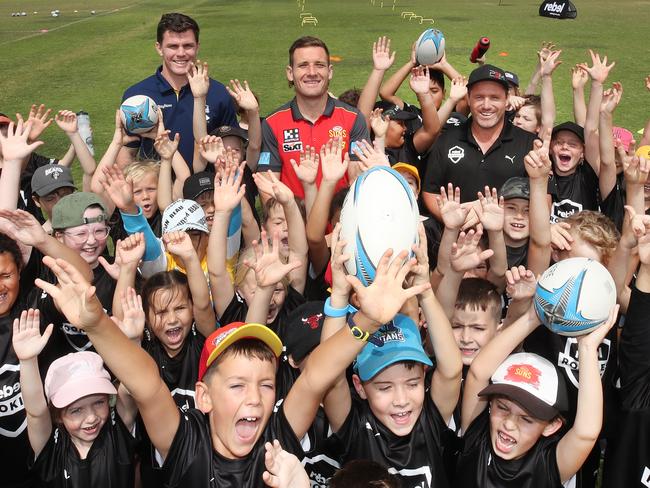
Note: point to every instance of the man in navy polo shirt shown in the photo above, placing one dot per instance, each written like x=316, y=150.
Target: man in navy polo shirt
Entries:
x=485, y=150
x=311, y=119
x=178, y=44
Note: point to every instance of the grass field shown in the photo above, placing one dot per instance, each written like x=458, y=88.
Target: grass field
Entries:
x=82, y=61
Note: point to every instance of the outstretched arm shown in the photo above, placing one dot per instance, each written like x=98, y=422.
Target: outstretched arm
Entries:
x=547, y=67
x=382, y=60
x=388, y=90
x=427, y=134
x=492, y=217
x=28, y=343
x=607, y=176
x=135, y=368
x=15, y=152
x=245, y=100
x=67, y=122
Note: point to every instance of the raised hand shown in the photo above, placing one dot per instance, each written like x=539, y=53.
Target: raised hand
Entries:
x=647, y=82
x=420, y=273
x=545, y=51
x=39, y=118
x=378, y=123
x=179, y=244
x=340, y=285
x=550, y=63
x=74, y=296
x=382, y=299
x=228, y=190
x=334, y=165
x=369, y=155
x=382, y=59
x=199, y=79
x=419, y=81
x=561, y=237
x=119, y=135
x=458, y=88
x=453, y=214
x=67, y=121
x=466, y=253
x=537, y=161
x=243, y=95
x=611, y=98
x=520, y=283
x=165, y=146
x=23, y=227
x=595, y=337
x=493, y=213
x=15, y=146
x=635, y=169
x=118, y=188
x=130, y=250
x=599, y=69
x=212, y=149
x=272, y=186
x=283, y=470
x=269, y=269
x=579, y=77
x=132, y=324
x=308, y=168
x=27, y=340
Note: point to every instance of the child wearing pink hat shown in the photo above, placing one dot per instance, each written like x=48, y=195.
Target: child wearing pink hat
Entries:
x=80, y=436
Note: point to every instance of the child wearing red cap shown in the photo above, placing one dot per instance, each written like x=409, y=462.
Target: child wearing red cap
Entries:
x=78, y=437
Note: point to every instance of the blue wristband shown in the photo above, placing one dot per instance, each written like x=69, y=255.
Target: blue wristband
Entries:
x=334, y=312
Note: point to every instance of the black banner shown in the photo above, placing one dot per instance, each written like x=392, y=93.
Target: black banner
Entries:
x=558, y=9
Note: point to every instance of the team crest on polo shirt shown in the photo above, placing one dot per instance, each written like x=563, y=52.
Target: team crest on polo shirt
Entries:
x=455, y=154
x=568, y=359
x=291, y=140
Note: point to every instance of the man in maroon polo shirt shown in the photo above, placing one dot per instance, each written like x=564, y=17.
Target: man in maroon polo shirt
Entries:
x=311, y=118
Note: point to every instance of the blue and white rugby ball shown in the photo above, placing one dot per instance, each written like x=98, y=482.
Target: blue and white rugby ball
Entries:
x=139, y=114
x=574, y=296
x=380, y=212
x=430, y=47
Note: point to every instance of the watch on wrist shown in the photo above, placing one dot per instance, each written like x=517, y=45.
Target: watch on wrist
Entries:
x=361, y=334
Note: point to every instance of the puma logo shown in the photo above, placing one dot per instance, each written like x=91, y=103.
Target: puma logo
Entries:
x=511, y=158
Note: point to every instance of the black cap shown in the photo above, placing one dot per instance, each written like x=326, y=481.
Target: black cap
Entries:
x=571, y=127
x=515, y=187
x=198, y=183
x=393, y=112
x=487, y=72
x=512, y=78
x=228, y=130
x=304, y=326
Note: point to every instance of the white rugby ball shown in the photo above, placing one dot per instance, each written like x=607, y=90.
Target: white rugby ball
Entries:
x=430, y=47
x=139, y=114
x=574, y=296
x=380, y=212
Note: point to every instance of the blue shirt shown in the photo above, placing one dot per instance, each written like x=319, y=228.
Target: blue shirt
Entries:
x=179, y=109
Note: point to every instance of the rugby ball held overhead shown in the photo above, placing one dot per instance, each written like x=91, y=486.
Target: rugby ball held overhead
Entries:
x=139, y=114
x=380, y=212
x=574, y=296
x=430, y=47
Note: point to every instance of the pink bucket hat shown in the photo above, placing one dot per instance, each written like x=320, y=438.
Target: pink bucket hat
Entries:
x=75, y=376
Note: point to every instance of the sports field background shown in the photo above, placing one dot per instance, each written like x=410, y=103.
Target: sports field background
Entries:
x=81, y=61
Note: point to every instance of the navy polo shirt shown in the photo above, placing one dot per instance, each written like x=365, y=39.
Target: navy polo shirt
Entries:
x=457, y=158
x=178, y=110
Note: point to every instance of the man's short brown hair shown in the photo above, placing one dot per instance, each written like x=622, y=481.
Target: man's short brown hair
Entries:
x=307, y=41
x=175, y=22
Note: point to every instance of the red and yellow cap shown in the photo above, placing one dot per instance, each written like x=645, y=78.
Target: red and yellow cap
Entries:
x=220, y=339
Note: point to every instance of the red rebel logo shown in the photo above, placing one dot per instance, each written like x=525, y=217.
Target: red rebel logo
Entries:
x=524, y=373
x=312, y=321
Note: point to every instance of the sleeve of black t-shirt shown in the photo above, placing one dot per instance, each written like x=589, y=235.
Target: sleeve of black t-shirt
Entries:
x=434, y=176
x=235, y=311
x=270, y=155
x=613, y=205
x=634, y=352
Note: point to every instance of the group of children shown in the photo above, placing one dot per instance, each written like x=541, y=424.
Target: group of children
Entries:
x=168, y=327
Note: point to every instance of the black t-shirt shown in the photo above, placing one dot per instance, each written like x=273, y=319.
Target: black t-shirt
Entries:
x=517, y=256
x=574, y=193
x=109, y=463
x=407, y=153
x=238, y=308
x=416, y=458
x=613, y=205
x=627, y=458
x=480, y=467
x=457, y=158
x=193, y=462
x=323, y=451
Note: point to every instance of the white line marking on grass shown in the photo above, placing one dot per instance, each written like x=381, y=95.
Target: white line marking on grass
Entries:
x=40, y=32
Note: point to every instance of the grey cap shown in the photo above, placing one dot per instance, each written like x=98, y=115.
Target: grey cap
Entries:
x=516, y=187
x=51, y=177
x=69, y=211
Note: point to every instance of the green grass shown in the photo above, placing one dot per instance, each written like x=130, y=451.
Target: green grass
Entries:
x=86, y=62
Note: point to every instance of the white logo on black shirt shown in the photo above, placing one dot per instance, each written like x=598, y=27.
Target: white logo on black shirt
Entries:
x=569, y=358
x=421, y=476
x=563, y=209
x=645, y=477
x=511, y=158
x=11, y=402
x=455, y=154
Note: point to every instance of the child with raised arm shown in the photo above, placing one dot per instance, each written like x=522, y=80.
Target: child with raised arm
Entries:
x=511, y=413
x=236, y=384
x=77, y=438
x=394, y=420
